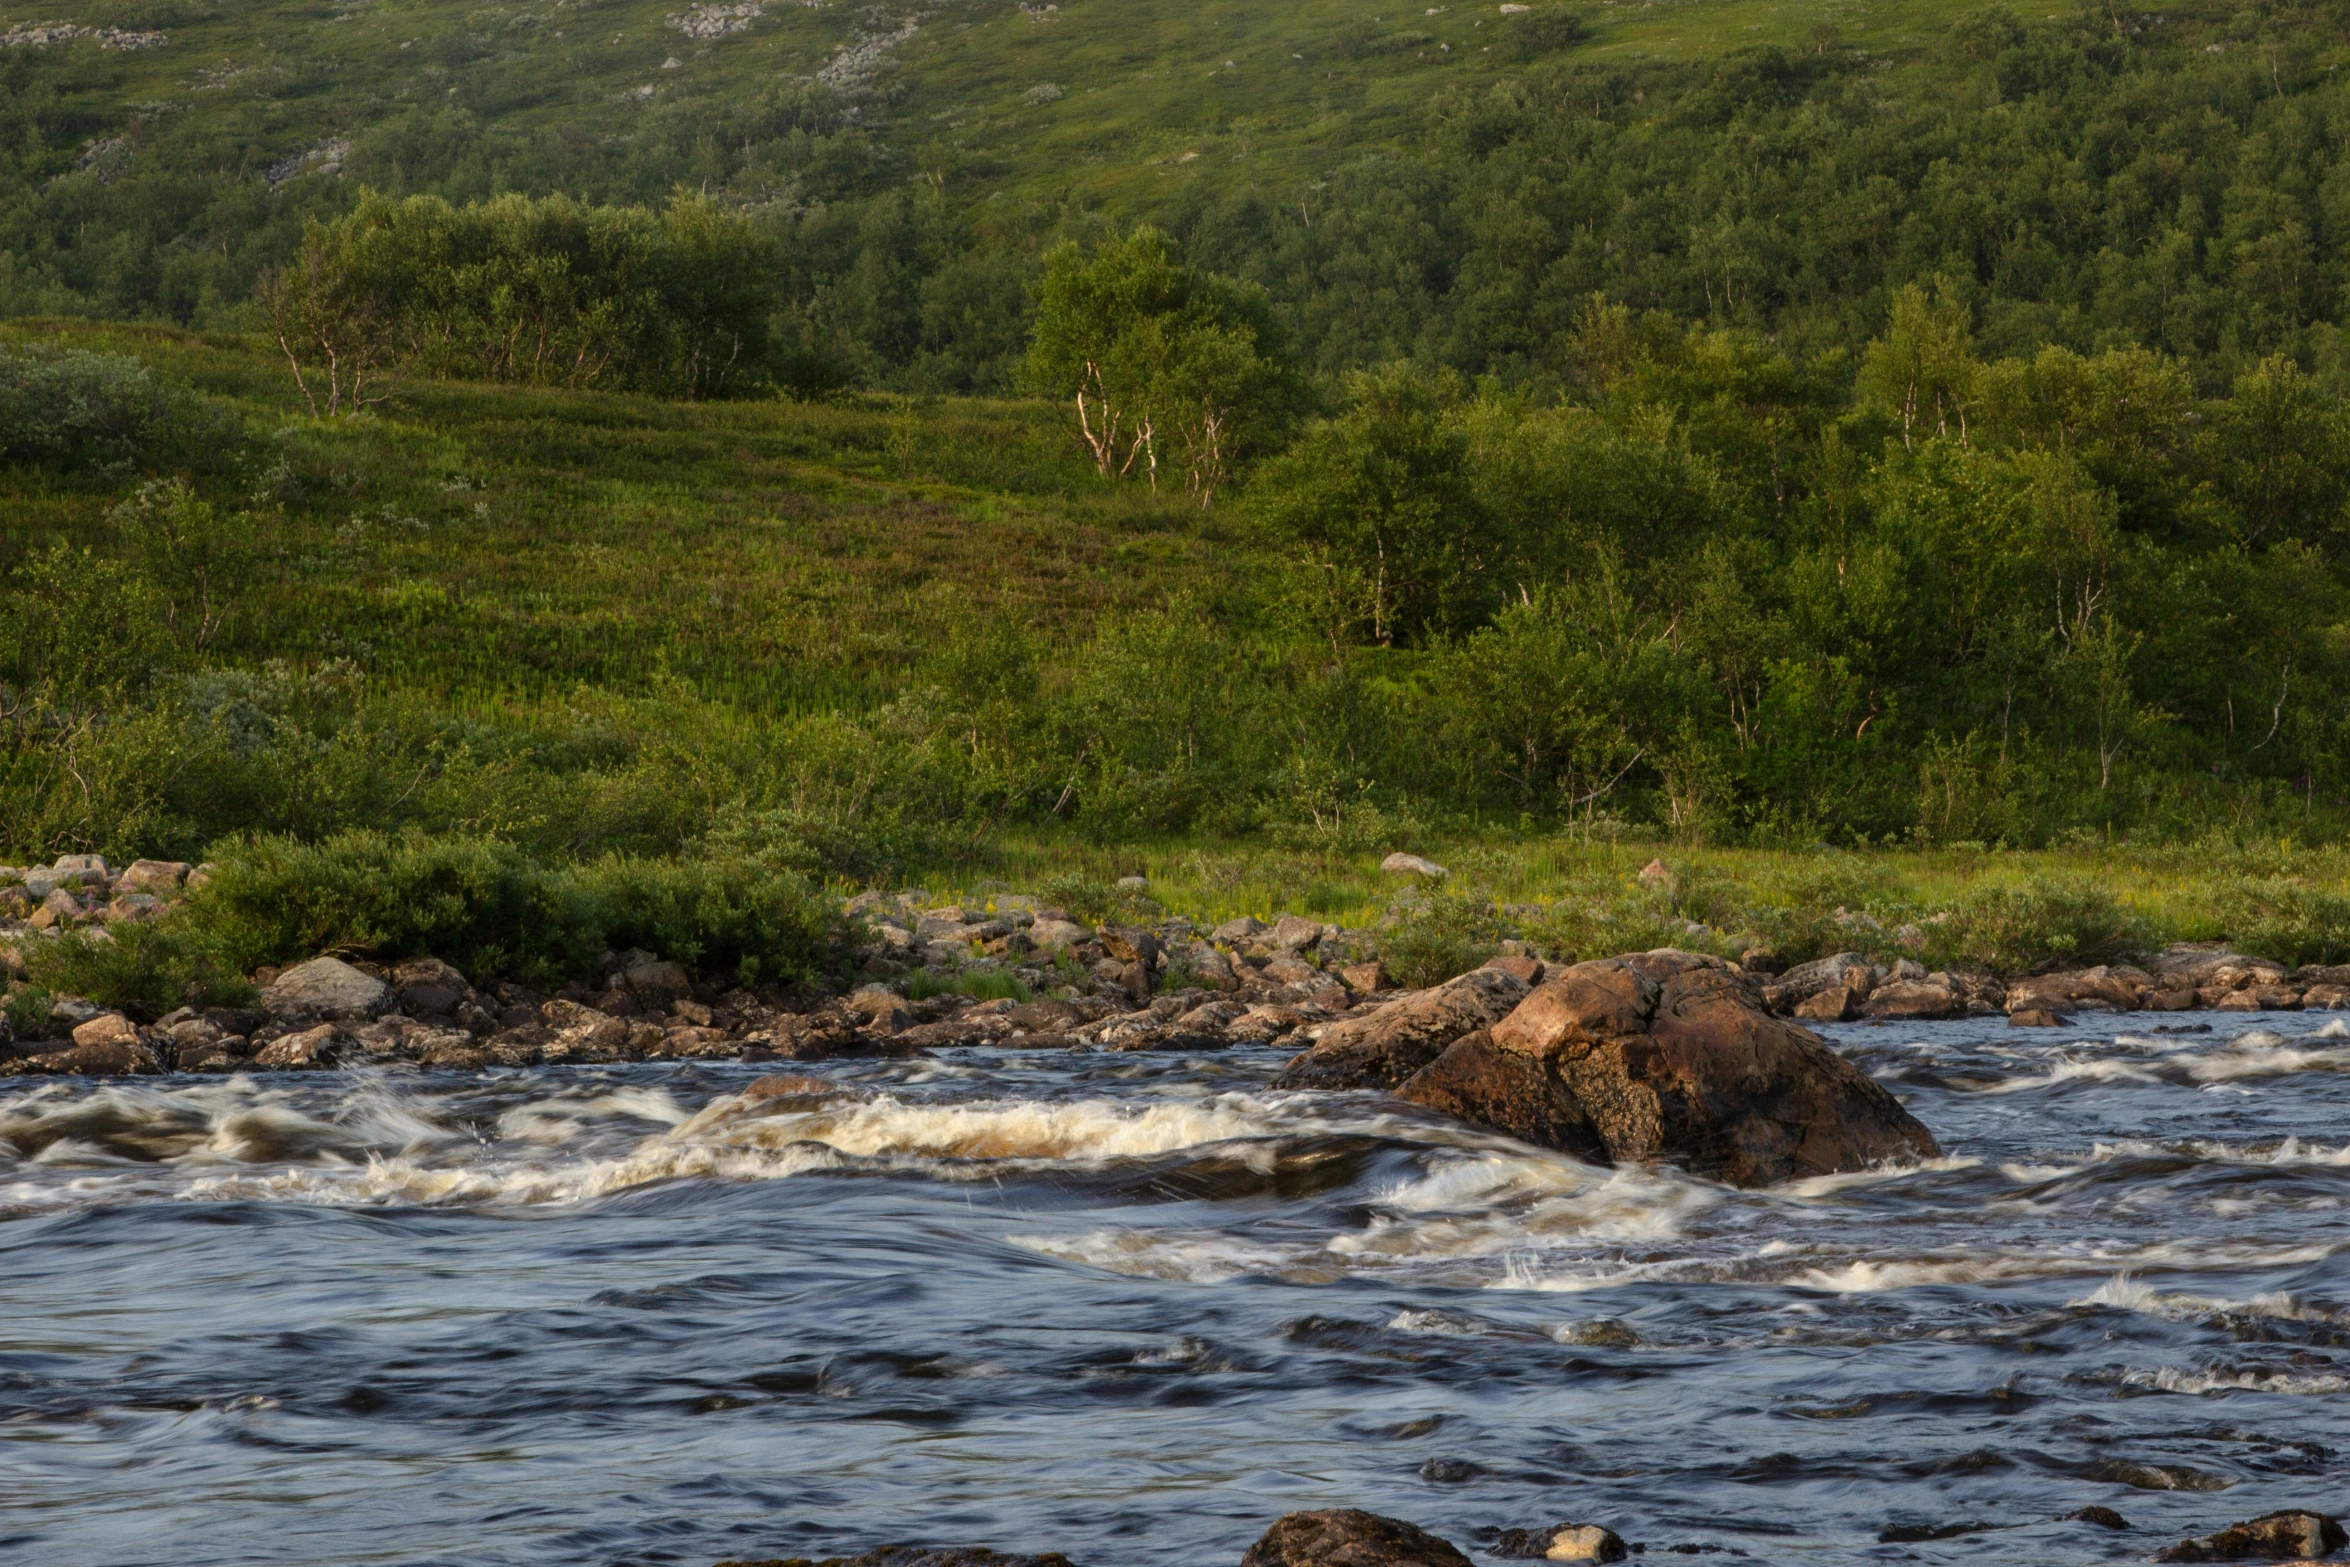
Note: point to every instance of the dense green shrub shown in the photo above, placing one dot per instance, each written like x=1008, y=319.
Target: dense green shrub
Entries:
x=2287, y=919
x=2043, y=923
x=543, y=291
x=497, y=912
x=147, y=969
x=485, y=906
x=721, y=916
x=1544, y=30
x=66, y=408
x=1432, y=934
x=1096, y=902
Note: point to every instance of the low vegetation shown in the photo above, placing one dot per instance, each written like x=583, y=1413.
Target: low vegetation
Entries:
x=1935, y=446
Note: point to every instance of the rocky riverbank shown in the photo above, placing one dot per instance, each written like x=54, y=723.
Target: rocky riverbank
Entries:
x=924, y=971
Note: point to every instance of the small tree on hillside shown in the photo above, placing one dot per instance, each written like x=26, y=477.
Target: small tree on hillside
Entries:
x=1923, y=369
x=335, y=312
x=1380, y=498
x=1162, y=364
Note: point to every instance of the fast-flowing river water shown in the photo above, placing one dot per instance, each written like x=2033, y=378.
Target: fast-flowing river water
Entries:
x=1134, y=1307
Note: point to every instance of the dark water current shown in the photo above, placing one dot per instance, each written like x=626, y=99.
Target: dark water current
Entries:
x=1133, y=1308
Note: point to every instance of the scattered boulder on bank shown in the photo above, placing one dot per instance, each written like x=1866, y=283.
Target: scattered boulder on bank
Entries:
x=2273, y=1537
x=325, y=988
x=1663, y=1056
x=1349, y=1537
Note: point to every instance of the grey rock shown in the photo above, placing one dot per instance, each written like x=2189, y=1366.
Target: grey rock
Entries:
x=154, y=876
x=1401, y=864
x=427, y=987
x=309, y=1049
x=1842, y=971
x=1050, y=935
x=656, y=982
x=1562, y=1542
x=1292, y=931
x=2272, y=1537
x=110, y=1028
x=326, y=988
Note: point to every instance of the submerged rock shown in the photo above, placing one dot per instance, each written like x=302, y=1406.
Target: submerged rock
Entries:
x=1349, y=1537
x=1564, y=1542
x=2272, y=1537
x=1669, y=1056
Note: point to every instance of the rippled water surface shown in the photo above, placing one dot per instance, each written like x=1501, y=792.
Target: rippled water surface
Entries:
x=1133, y=1308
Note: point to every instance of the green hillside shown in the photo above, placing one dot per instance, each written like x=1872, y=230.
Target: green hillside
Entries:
x=1740, y=425
x=1443, y=182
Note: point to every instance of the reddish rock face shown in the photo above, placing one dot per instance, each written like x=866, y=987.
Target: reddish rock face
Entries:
x=1633, y=1060
x=1349, y=1537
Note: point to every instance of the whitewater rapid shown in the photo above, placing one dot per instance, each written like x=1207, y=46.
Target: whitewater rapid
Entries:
x=1132, y=1307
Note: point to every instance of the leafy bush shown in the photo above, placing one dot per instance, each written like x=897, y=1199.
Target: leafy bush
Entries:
x=1577, y=929
x=714, y=915
x=1797, y=915
x=1543, y=31
x=2014, y=930
x=495, y=912
x=1101, y=903
x=145, y=969
x=27, y=1011
x=482, y=905
x=66, y=408
x=2287, y=919
x=1431, y=934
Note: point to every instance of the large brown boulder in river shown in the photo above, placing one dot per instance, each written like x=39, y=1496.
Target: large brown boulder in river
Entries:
x=1669, y=1056
x=1349, y=1537
x=1381, y=1050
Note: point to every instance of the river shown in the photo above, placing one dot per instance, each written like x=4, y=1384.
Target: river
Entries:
x=1134, y=1307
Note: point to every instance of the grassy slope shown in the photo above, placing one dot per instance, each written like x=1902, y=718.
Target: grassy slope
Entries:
x=500, y=546
x=1149, y=102
x=487, y=543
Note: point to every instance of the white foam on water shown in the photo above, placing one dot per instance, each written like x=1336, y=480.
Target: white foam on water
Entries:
x=1182, y=1256
x=2128, y=1292
x=2263, y=1054
x=1082, y=1131
x=1814, y=1187
x=2099, y=1070
x=563, y=1117
x=2171, y=1379
x=1479, y=1217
